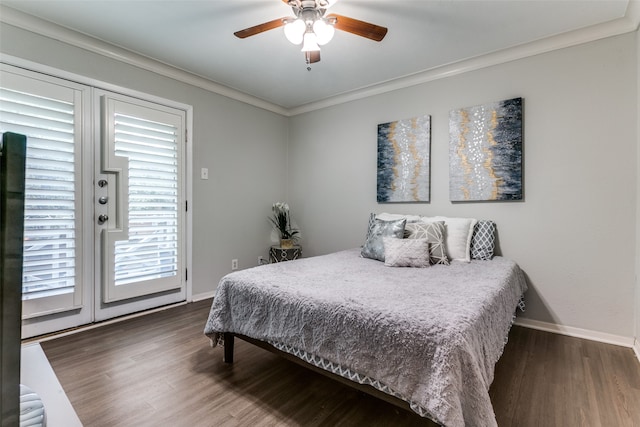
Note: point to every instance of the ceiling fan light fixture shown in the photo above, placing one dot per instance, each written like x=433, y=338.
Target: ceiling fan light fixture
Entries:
x=324, y=31
x=310, y=44
x=294, y=31
x=312, y=28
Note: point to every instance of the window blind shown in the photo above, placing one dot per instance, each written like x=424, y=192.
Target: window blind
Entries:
x=151, y=251
x=49, y=266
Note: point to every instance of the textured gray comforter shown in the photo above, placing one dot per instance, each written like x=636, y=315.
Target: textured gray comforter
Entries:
x=432, y=335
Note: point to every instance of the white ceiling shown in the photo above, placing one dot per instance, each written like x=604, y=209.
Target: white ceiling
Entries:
x=197, y=36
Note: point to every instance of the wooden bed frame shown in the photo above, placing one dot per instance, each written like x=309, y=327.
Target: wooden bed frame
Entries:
x=229, y=340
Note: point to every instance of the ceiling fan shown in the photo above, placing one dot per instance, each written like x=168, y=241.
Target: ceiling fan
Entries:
x=311, y=28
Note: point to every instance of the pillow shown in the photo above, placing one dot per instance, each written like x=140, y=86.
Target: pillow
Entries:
x=406, y=252
x=392, y=217
x=457, y=237
x=372, y=222
x=434, y=233
x=484, y=240
x=374, y=246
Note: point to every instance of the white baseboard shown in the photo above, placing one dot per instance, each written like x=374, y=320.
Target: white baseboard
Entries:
x=580, y=333
x=200, y=297
x=636, y=348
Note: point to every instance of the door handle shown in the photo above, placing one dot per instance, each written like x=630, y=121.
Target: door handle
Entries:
x=102, y=219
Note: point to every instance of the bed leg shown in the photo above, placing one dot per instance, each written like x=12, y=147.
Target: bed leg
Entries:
x=228, y=348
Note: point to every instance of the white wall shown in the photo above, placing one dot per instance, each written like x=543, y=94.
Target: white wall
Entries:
x=244, y=148
x=574, y=235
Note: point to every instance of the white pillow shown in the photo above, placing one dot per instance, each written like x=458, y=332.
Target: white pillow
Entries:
x=458, y=236
x=393, y=217
x=406, y=252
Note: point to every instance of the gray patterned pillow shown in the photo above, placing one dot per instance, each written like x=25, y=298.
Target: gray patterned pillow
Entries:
x=406, y=252
x=374, y=246
x=372, y=222
x=434, y=233
x=484, y=240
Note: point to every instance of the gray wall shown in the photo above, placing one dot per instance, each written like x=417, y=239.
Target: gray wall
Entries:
x=244, y=148
x=575, y=233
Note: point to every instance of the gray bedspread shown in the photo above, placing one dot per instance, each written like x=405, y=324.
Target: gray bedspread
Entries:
x=432, y=335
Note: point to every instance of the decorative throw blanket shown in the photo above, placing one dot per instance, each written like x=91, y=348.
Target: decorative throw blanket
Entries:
x=430, y=335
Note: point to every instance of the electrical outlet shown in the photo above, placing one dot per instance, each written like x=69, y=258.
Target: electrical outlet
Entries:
x=234, y=264
x=204, y=173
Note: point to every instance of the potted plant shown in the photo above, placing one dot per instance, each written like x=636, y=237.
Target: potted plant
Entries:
x=282, y=223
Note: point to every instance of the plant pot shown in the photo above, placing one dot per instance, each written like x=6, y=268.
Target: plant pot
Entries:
x=286, y=243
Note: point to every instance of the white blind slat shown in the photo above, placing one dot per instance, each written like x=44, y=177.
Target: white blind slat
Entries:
x=45, y=144
x=48, y=154
x=50, y=185
x=42, y=102
x=62, y=123
x=50, y=197
x=148, y=125
x=47, y=251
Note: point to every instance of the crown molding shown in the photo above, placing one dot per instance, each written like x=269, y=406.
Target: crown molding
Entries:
x=628, y=23
x=48, y=29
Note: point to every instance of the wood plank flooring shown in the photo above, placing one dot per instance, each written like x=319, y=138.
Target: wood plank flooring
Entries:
x=159, y=370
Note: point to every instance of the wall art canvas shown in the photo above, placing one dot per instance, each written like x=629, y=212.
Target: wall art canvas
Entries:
x=485, y=152
x=404, y=160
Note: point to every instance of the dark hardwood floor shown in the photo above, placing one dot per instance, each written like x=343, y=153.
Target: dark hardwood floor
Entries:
x=159, y=370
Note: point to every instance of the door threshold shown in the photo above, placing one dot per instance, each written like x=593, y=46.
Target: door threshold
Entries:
x=94, y=325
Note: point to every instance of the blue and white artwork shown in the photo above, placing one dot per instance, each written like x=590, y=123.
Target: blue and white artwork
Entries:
x=485, y=152
x=403, y=160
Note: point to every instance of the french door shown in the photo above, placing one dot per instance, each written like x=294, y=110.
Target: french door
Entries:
x=139, y=209
x=104, y=200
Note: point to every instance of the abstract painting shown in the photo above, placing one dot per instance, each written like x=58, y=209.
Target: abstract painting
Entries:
x=403, y=160
x=485, y=152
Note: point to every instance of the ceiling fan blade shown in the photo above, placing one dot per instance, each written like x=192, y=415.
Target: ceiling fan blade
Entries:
x=312, y=57
x=257, y=29
x=359, y=28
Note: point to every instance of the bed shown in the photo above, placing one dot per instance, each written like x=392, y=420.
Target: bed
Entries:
x=429, y=337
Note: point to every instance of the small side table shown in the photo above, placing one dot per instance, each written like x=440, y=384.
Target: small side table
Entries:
x=279, y=254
